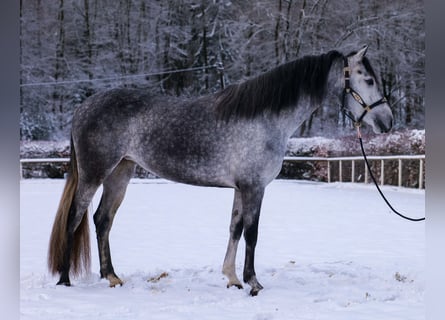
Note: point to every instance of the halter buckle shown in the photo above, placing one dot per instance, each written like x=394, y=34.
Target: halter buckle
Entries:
x=357, y=97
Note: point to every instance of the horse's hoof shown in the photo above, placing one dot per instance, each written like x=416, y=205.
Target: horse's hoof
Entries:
x=65, y=283
x=114, y=281
x=254, y=284
x=254, y=291
x=64, y=280
x=237, y=285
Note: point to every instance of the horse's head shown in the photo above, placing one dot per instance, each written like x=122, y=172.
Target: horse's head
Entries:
x=362, y=100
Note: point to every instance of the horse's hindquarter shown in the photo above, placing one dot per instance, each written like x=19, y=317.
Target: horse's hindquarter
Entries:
x=185, y=142
x=101, y=131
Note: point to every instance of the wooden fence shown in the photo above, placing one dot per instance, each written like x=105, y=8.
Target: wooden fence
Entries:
x=341, y=169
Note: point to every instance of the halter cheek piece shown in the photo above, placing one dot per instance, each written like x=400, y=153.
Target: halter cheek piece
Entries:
x=348, y=90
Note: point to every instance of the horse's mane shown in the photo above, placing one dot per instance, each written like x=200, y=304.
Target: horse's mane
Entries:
x=277, y=89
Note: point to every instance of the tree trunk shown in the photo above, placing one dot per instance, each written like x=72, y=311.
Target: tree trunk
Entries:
x=59, y=67
x=88, y=40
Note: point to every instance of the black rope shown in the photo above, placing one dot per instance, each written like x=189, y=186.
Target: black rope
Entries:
x=378, y=188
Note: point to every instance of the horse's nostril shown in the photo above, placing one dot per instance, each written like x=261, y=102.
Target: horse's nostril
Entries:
x=384, y=126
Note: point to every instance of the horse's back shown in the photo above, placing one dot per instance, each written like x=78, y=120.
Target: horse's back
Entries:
x=169, y=136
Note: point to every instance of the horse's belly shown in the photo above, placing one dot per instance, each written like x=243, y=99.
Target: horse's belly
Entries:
x=189, y=171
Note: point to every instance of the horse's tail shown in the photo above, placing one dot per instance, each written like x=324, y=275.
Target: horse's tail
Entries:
x=80, y=251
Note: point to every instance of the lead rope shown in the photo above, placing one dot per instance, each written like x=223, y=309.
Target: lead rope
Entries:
x=375, y=181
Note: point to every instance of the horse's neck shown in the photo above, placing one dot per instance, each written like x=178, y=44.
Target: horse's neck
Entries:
x=288, y=121
x=291, y=119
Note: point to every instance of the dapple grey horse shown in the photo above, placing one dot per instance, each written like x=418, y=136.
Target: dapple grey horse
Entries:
x=235, y=138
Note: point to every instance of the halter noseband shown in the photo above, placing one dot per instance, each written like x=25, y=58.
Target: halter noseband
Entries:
x=356, y=96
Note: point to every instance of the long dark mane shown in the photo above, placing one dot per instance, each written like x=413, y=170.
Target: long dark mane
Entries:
x=277, y=89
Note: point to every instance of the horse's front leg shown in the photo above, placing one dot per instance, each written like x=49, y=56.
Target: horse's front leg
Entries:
x=251, y=202
x=236, y=228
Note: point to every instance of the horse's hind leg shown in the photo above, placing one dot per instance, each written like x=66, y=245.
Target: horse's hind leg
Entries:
x=236, y=228
x=114, y=188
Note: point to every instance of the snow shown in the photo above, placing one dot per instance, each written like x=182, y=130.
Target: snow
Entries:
x=325, y=251
x=304, y=146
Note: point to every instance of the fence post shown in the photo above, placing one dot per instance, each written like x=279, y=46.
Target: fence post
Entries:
x=352, y=171
x=340, y=171
x=366, y=172
x=329, y=171
x=400, y=173
x=382, y=172
x=420, y=173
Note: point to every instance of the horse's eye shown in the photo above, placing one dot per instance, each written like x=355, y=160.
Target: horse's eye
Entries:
x=370, y=81
x=359, y=71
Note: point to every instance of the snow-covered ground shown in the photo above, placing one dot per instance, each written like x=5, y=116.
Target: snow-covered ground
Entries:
x=325, y=251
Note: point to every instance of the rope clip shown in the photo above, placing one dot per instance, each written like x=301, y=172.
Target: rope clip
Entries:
x=358, y=125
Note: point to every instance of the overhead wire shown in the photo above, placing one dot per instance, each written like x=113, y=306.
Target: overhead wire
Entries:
x=64, y=82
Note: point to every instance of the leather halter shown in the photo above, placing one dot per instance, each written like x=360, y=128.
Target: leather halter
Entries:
x=348, y=90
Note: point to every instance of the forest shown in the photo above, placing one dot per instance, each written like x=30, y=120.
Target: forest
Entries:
x=71, y=49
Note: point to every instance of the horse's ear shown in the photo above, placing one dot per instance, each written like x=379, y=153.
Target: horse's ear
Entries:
x=361, y=53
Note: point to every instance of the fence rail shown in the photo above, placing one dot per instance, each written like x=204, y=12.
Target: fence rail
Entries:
x=354, y=159
x=329, y=160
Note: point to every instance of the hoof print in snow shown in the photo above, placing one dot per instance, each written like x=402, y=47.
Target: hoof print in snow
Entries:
x=158, y=278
